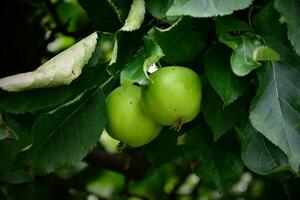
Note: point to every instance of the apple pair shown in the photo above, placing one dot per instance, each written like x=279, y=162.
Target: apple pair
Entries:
x=136, y=114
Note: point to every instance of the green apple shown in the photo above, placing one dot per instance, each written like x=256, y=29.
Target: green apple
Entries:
x=126, y=120
x=173, y=96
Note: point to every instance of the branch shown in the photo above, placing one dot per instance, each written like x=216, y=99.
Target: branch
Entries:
x=133, y=165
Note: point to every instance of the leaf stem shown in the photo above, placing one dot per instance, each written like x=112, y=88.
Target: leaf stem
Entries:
x=249, y=18
x=107, y=82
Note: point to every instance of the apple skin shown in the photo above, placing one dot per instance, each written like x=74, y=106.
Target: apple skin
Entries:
x=126, y=120
x=173, y=96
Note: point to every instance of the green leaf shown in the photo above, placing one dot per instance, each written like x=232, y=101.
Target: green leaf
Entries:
x=103, y=15
x=206, y=8
x=231, y=41
x=9, y=149
x=220, y=166
x=163, y=148
x=194, y=142
x=92, y=77
x=275, y=111
x=266, y=23
x=217, y=68
x=17, y=177
x=60, y=70
x=264, y=53
x=33, y=100
x=221, y=119
x=125, y=47
x=153, y=53
x=121, y=8
x=214, y=162
x=133, y=71
x=158, y=8
x=289, y=9
x=230, y=24
x=136, y=70
x=135, y=17
x=241, y=59
x=183, y=41
x=65, y=135
x=259, y=154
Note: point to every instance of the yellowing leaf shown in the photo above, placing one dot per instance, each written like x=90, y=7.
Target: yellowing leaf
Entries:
x=135, y=17
x=60, y=70
x=264, y=53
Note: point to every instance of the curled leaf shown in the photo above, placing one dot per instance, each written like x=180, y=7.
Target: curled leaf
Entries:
x=264, y=53
x=136, y=16
x=60, y=70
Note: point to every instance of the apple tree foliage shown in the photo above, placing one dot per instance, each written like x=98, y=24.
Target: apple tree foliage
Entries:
x=247, y=54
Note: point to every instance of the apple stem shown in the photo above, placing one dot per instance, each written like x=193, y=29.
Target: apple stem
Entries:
x=178, y=124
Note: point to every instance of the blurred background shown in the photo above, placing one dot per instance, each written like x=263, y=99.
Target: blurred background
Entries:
x=34, y=31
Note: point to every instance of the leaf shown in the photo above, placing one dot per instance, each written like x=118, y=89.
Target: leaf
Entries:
x=264, y=53
x=289, y=9
x=121, y=8
x=163, y=148
x=65, y=135
x=266, y=23
x=206, y=8
x=133, y=71
x=241, y=59
x=275, y=111
x=17, y=177
x=230, y=40
x=194, y=142
x=259, y=154
x=183, y=41
x=136, y=70
x=158, y=8
x=93, y=77
x=217, y=68
x=125, y=47
x=135, y=17
x=221, y=119
x=153, y=53
x=102, y=14
x=34, y=100
x=229, y=23
x=60, y=70
x=214, y=162
x=9, y=149
x=220, y=166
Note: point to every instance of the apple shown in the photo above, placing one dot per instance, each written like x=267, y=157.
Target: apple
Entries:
x=173, y=96
x=126, y=120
